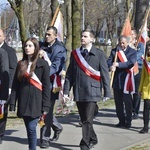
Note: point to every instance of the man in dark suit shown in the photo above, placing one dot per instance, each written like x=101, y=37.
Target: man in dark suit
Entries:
x=87, y=68
x=56, y=53
x=12, y=58
x=123, y=82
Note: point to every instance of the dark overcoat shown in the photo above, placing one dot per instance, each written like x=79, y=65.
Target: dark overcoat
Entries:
x=121, y=71
x=4, y=75
x=86, y=88
x=12, y=61
x=32, y=101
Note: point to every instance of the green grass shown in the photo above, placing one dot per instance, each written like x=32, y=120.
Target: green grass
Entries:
x=143, y=146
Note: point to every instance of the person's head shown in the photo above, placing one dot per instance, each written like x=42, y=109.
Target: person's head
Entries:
x=51, y=35
x=31, y=49
x=87, y=37
x=30, y=53
x=134, y=33
x=123, y=42
x=147, y=50
x=2, y=36
x=133, y=37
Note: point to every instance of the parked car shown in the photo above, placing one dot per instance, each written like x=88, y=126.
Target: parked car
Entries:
x=102, y=41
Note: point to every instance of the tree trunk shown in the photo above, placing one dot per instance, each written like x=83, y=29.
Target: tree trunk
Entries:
x=76, y=23
x=40, y=24
x=141, y=6
x=68, y=41
x=17, y=6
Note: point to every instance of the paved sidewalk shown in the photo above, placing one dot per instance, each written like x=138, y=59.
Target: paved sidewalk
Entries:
x=110, y=137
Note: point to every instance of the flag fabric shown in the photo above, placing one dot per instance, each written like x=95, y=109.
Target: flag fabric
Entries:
x=59, y=25
x=144, y=34
x=126, y=31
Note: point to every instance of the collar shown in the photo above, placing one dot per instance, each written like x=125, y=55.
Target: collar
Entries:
x=88, y=48
x=1, y=44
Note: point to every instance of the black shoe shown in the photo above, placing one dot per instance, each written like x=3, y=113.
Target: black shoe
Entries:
x=80, y=123
x=135, y=116
x=56, y=135
x=45, y=144
x=120, y=124
x=143, y=131
x=127, y=125
x=92, y=144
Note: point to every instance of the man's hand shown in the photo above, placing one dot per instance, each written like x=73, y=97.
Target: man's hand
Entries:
x=65, y=98
x=116, y=64
x=41, y=53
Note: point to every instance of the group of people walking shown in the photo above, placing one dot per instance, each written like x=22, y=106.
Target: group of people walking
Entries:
x=35, y=82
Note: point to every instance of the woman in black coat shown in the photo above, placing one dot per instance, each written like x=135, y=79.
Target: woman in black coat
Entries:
x=31, y=89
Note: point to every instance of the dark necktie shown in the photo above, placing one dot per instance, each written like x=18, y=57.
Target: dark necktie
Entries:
x=84, y=52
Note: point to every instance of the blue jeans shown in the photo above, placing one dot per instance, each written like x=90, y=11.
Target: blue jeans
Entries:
x=31, y=124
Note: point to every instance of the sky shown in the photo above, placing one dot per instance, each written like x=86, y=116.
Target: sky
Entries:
x=3, y=4
x=3, y=1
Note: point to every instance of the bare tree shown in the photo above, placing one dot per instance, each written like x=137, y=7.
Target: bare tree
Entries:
x=76, y=22
x=68, y=27
x=17, y=6
x=141, y=6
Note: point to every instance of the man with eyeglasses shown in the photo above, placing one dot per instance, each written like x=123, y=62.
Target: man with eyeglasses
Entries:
x=57, y=54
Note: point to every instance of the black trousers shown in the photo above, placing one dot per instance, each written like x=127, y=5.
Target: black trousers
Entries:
x=3, y=121
x=146, y=113
x=86, y=112
x=136, y=97
x=50, y=122
x=123, y=103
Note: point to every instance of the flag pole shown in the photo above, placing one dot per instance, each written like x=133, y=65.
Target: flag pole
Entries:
x=141, y=30
x=115, y=59
x=55, y=15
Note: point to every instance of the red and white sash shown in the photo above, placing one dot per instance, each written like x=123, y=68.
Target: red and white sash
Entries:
x=34, y=80
x=87, y=69
x=146, y=64
x=129, y=86
x=56, y=78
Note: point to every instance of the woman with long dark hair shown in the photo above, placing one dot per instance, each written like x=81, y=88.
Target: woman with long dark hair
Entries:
x=31, y=89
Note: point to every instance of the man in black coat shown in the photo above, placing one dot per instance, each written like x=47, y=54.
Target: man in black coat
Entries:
x=87, y=69
x=123, y=82
x=12, y=59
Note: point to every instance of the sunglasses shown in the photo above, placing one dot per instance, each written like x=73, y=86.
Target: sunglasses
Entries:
x=47, y=34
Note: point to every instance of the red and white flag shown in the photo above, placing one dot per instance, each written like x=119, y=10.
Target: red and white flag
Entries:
x=144, y=34
x=59, y=25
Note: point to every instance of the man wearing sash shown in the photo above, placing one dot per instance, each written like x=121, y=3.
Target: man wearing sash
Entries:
x=87, y=69
x=123, y=82
x=57, y=54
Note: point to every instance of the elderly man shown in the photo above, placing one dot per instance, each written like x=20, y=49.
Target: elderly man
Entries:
x=123, y=82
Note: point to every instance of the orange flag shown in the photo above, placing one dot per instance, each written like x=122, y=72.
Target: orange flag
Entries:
x=127, y=28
